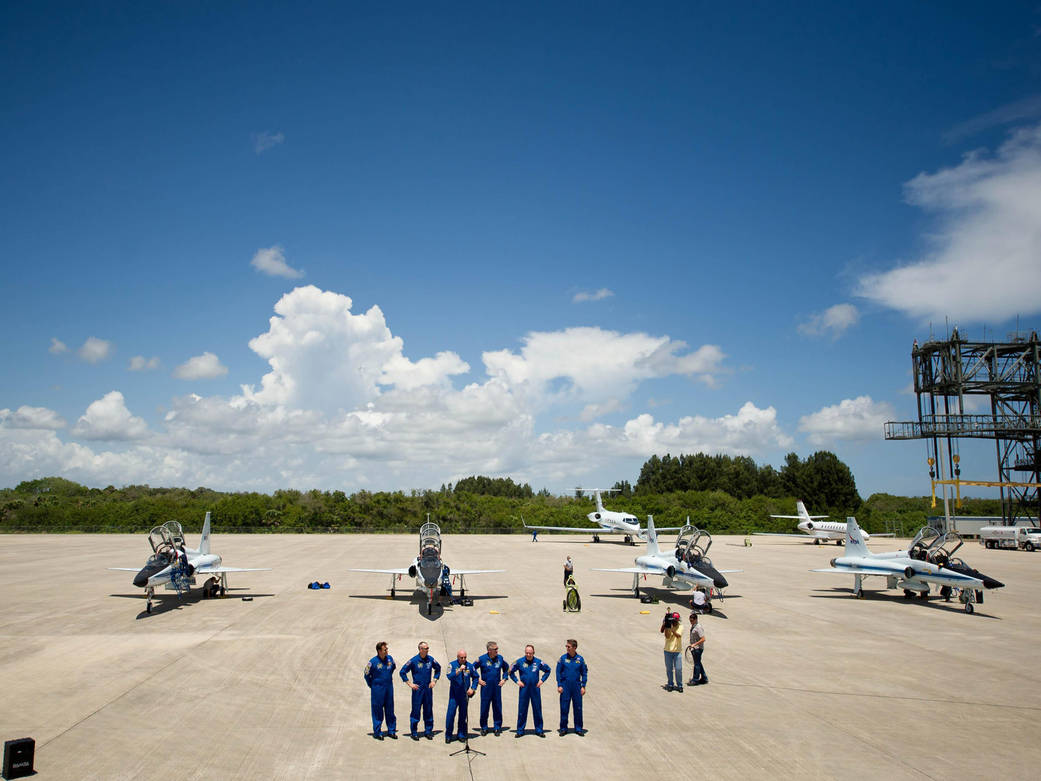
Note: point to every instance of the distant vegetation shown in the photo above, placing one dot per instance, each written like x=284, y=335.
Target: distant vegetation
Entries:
x=712, y=490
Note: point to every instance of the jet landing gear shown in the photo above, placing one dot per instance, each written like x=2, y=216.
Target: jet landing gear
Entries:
x=968, y=597
x=858, y=586
x=596, y=538
x=149, y=594
x=629, y=539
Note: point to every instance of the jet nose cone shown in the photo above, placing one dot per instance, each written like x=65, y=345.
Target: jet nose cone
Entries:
x=991, y=583
x=141, y=579
x=719, y=581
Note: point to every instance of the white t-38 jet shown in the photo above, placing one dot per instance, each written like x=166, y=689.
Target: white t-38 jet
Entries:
x=432, y=575
x=608, y=521
x=914, y=570
x=687, y=567
x=175, y=567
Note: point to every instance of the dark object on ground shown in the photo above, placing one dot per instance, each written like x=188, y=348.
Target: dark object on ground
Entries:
x=18, y=757
x=247, y=599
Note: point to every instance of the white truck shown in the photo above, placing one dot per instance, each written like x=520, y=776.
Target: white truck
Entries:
x=1021, y=537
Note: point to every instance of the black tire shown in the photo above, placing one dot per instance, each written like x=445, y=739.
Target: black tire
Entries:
x=969, y=608
x=148, y=609
x=1029, y=546
x=392, y=597
x=908, y=594
x=430, y=608
x=945, y=592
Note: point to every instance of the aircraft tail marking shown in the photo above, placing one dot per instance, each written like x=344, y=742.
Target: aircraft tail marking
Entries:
x=204, y=542
x=854, y=539
x=652, y=538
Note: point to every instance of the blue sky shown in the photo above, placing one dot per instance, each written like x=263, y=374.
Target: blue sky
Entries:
x=591, y=232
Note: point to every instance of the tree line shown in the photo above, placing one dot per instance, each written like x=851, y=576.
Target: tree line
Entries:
x=53, y=504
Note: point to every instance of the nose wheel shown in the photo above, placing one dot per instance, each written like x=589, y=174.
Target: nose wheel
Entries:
x=149, y=593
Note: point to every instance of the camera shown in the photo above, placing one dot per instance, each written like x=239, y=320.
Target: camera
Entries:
x=671, y=619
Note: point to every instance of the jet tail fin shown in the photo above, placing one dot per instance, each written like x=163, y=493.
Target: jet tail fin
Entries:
x=652, y=537
x=854, y=539
x=204, y=543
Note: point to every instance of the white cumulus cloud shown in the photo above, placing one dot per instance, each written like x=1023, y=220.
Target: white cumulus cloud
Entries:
x=594, y=365
x=57, y=346
x=323, y=356
x=94, y=350
x=598, y=295
x=201, y=367
x=832, y=322
x=342, y=404
x=108, y=418
x=32, y=418
x=859, y=418
x=141, y=364
x=272, y=261
x=984, y=262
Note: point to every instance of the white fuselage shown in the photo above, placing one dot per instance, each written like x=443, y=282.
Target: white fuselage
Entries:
x=609, y=520
x=682, y=576
x=827, y=530
x=905, y=572
x=164, y=576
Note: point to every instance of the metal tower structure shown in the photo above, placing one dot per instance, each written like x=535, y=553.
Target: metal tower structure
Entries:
x=1009, y=373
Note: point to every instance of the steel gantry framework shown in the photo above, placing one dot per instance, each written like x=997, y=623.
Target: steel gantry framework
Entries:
x=1009, y=373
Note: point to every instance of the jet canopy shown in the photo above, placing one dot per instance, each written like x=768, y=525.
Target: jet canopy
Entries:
x=166, y=538
x=932, y=546
x=692, y=544
x=429, y=541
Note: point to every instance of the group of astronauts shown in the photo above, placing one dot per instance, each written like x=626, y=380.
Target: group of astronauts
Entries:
x=488, y=675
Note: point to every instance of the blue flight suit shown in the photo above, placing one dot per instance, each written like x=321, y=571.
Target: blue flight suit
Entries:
x=462, y=678
x=572, y=675
x=379, y=677
x=528, y=672
x=423, y=671
x=492, y=671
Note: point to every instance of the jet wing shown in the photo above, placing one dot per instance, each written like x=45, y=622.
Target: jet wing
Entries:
x=781, y=534
x=576, y=529
x=474, y=571
x=125, y=569
x=728, y=571
x=630, y=570
x=799, y=517
x=854, y=571
x=383, y=571
x=221, y=570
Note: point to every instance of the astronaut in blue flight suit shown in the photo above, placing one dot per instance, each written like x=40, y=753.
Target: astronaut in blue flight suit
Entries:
x=572, y=675
x=379, y=677
x=494, y=670
x=463, y=678
x=425, y=671
x=527, y=668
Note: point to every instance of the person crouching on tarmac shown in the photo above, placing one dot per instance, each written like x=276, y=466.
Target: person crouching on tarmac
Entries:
x=494, y=670
x=379, y=677
x=425, y=673
x=572, y=675
x=528, y=668
x=463, y=678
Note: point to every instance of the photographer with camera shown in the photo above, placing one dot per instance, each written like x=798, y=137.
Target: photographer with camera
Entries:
x=670, y=627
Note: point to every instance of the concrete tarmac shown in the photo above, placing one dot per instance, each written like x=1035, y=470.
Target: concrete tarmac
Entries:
x=805, y=681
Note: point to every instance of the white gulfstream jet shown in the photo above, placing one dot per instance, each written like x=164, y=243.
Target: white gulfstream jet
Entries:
x=175, y=567
x=812, y=525
x=685, y=568
x=608, y=521
x=914, y=570
x=432, y=575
